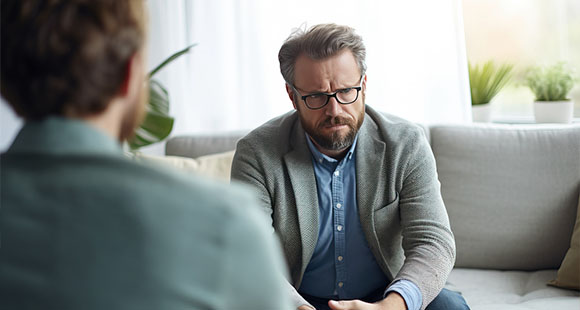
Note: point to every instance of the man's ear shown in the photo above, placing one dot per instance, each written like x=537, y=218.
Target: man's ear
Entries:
x=364, y=83
x=133, y=76
x=290, y=92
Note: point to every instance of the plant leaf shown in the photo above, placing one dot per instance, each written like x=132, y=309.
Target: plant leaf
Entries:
x=154, y=128
x=158, y=97
x=552, y=83
x=170, y=59
x=487, y=80
x=157, y=124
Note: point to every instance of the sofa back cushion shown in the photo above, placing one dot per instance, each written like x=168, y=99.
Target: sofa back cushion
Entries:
x=196, y=145
x=510, y=191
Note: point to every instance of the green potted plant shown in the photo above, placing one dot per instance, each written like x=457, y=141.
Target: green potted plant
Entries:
x=485, y=82
x=157, y=124
x=551, y=86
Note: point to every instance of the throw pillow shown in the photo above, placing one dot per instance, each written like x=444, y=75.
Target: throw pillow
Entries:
x=569, y=272
x=215, y=166
x=218, y=166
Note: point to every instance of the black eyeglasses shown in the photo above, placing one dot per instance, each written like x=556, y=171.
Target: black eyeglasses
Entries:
x=320, y=100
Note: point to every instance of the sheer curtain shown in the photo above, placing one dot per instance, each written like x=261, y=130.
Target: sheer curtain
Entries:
x=416, y=57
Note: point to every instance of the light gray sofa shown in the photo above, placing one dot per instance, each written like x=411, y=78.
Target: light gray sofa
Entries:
x=511, y=192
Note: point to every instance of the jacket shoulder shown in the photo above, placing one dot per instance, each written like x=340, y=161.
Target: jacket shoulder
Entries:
x=272, y=136
x=395, y=129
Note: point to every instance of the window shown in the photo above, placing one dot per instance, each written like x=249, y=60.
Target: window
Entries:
x=525, y=33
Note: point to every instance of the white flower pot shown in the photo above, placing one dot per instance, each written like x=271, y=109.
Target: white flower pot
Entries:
x=553, y=111
x=481, y=113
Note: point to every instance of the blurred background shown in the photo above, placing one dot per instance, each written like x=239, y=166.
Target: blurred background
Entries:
x=417, y=56
x=525, y=33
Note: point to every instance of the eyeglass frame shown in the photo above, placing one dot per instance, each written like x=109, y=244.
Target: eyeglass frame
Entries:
x=330, y=95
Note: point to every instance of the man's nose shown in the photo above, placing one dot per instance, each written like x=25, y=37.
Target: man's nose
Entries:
x=333, y=108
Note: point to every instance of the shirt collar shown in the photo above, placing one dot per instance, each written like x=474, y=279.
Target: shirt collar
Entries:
x=59, y=135
x=319, y=157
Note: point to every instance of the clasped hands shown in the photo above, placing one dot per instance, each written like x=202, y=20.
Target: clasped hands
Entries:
x=393, y=301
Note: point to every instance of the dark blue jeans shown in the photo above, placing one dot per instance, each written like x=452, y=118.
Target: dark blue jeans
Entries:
x=446, y=300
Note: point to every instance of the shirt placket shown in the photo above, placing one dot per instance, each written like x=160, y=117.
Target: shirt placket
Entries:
x=339, y=229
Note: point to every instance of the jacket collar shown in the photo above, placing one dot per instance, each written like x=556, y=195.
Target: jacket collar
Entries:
x=63, y=136
x=370, y=172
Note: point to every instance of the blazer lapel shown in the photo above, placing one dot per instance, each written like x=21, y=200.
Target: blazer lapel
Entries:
x=370, y=179
x=299, y=164
x=369, y=168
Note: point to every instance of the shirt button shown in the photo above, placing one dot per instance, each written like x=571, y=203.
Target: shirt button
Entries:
x=338, y=205
x=336, y=173
x=320, y=160
x=340, y=258
x=339, y=227
x=340, y=284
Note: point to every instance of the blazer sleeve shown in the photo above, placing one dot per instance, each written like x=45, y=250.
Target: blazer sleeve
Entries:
x=428, y=242
x=247, y=169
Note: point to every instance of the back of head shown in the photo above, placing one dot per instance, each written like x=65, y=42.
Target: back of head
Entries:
x=320, y=42
x=67, y=56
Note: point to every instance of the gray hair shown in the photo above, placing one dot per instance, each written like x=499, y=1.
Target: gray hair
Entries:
x=319, y=42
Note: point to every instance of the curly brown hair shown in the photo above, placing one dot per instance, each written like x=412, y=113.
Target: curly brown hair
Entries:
x=61, y=56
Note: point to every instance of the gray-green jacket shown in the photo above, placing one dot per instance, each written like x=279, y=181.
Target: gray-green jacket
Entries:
x=82, y=227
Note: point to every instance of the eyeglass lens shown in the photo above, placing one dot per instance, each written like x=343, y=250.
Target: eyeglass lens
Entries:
x=344, y=96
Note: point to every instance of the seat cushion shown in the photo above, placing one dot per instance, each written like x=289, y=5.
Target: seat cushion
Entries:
x=511, y=192
x=511, y=290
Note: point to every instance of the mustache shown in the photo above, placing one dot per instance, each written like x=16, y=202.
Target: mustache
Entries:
x=337, y=120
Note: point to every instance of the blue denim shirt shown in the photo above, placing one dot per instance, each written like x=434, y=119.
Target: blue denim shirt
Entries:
x=342, y=265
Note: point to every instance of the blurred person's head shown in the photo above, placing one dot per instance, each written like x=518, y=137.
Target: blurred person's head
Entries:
x=74, y=58
x=324, y=69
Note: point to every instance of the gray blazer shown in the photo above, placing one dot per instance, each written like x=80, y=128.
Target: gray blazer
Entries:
x=398, y=194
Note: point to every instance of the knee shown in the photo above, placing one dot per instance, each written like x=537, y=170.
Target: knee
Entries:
x=448, y=300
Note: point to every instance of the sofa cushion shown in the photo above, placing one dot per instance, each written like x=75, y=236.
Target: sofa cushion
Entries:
x=216, y=166
x=196, y=145
x=569, y=272
x=510, y=290
x=510, y=191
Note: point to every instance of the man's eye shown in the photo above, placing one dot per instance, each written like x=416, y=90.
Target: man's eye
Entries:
x=345, y=91
x=316, y=96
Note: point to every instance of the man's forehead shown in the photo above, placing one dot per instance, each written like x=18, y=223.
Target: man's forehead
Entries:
x=340, y=69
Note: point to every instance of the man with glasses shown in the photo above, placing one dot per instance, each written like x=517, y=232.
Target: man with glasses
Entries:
x=352, y=193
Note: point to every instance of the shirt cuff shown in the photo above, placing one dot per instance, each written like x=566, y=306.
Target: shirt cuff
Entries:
x=409, y=291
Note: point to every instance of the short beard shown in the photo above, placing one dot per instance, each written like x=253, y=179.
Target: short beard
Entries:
x=335, y=141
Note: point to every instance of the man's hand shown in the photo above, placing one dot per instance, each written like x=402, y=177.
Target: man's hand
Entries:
x=305, y=307
x=394, y=301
